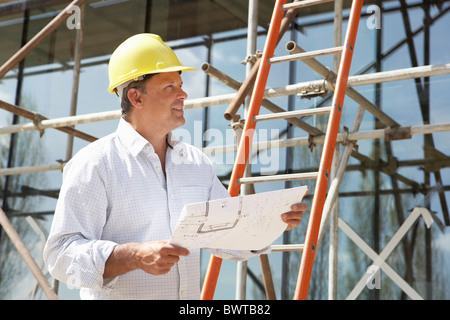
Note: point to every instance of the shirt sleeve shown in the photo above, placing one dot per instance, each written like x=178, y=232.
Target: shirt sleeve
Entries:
x=74, y=252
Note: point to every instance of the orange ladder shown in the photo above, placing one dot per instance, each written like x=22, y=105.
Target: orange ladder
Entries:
x=322, y=175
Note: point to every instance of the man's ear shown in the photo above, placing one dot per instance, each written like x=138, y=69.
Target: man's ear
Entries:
x=135, y=98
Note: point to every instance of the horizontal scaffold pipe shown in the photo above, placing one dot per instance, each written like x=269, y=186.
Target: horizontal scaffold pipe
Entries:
x=399, y=74
x=62, y=122
x=31, y=169
x=36, y=118
x=264, y=145
x=378, y=77
x=386, y=76
x=341, y=138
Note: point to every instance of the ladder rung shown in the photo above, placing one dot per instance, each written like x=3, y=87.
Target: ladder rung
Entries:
x=287, y=247
x=292, y=114
x=306, y=55
x=301, y=4
x=279, y=177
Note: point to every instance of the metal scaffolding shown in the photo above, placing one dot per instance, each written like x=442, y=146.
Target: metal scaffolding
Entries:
x=388, y=130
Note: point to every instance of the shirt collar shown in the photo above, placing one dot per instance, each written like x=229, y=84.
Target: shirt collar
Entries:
x=130, y=138
x=134, y=142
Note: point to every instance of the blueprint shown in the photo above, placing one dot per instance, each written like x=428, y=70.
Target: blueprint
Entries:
x=249, y=222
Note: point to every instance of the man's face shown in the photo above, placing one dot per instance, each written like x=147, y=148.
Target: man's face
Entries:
x=164, y=101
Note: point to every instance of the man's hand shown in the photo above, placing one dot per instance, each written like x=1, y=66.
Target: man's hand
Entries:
x=158, y=257
x=154, y=257
x=294, y=218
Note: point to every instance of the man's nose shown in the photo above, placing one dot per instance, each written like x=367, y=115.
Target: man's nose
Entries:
x=182, y=94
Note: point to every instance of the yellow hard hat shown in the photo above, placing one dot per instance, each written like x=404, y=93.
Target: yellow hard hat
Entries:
x=139, y=55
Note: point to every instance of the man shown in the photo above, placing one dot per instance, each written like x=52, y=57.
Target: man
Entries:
x=122, y=195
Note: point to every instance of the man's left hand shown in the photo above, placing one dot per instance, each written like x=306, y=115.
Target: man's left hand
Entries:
x=294, y=218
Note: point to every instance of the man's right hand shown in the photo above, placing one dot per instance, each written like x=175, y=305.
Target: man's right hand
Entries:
x=153, y=257
x=158, y=257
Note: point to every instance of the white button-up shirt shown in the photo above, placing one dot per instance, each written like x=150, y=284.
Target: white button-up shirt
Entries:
x=114, y=191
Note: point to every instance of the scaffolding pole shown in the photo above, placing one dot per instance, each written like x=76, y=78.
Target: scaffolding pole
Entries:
x=40, y=122
x=26, y=256
x=344, y=138
x=39, y=37
x=76, y=79
x=37, y=122
x=252, y=34
x=63, y=122
x=379, y=77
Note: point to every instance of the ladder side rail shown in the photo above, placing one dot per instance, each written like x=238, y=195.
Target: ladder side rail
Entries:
x=246, y=86
x=307, y=261
x=256, y=99
x=214, y=265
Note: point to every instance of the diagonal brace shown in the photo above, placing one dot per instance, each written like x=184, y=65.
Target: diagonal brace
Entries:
x=379, y=260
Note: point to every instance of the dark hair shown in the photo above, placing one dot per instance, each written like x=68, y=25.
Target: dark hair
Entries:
x=138, y=85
